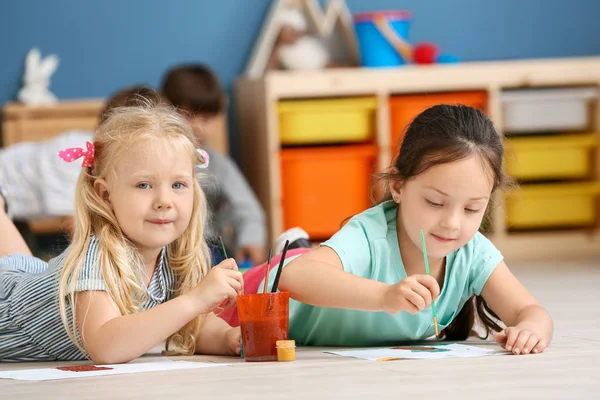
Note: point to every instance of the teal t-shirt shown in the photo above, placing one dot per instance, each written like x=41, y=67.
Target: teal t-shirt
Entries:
x=368, y=247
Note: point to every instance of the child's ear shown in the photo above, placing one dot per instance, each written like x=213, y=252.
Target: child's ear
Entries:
x=101, y=189
x=396, y=190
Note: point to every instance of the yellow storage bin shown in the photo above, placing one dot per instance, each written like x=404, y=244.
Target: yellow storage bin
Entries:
x=326, y=121
x=555, y=205
x=550, y=157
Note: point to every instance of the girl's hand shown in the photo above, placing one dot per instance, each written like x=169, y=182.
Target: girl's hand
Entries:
x=233, y=338
x=411, y=294
x=223, y=283
x=520, y=340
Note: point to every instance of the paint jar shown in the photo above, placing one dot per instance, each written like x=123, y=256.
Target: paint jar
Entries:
x=286, y=350
x=263, y=322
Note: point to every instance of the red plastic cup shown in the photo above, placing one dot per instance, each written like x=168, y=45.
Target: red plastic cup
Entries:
x=264, y=320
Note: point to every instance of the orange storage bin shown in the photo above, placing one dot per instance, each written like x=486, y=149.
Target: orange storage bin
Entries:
x=404, y=108
x=322, y=186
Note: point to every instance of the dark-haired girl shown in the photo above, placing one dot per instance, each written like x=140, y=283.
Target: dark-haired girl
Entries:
x=367, y=286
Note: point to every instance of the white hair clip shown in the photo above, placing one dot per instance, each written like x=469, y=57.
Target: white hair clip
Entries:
x=204, y=158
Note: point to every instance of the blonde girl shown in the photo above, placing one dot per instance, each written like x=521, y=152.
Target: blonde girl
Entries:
x=137, y=271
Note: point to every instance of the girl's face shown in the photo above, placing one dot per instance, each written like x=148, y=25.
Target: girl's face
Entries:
x=447, y=201
x=151, y=194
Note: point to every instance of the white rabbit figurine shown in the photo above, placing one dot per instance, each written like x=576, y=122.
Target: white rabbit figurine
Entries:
x=35, y=91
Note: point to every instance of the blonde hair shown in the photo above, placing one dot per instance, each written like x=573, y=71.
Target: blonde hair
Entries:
x=119, y=261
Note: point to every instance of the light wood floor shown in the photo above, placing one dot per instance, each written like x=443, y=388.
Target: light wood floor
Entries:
x=569, y=369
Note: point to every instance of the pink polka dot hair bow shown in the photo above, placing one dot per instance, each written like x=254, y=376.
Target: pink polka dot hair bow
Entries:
x=73, y=153
x=204, y=159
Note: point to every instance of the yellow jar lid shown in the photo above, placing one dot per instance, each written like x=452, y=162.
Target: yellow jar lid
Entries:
x=285, y=344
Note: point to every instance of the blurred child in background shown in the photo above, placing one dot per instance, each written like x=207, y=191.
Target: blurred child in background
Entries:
x=237, y=215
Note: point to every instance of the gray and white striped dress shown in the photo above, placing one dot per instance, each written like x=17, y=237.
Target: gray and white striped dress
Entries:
x=30, y=325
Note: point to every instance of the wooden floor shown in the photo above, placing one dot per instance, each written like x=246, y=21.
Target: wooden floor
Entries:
x=569, y=369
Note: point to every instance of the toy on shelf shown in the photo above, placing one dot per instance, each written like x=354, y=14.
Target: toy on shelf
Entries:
x=36, y=89
x=425, y=53
x=301, y=34
x=383, y=41
x=295, y=47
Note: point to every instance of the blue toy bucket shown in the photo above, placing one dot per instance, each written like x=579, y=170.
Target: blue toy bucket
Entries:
x=377, y=32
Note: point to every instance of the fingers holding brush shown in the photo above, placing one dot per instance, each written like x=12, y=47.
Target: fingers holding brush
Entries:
x=412, y=294
x=228, y=263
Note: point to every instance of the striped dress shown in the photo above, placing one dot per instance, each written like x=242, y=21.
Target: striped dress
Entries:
x=30, y=325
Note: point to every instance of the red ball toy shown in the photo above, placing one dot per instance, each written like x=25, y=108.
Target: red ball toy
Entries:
x=425, y=53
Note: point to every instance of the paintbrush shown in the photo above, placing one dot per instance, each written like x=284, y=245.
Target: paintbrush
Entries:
x=435, y=322
x=223, y=247
x=268, y=270
x=278, y=274
x=220, y=307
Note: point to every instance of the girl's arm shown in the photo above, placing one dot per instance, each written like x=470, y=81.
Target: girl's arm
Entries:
x=529, y=326
x=218, y=337
x=318, y=278
x=110, y=338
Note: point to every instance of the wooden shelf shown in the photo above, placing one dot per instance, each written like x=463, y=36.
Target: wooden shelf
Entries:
x=257, y=101
x=434, y=78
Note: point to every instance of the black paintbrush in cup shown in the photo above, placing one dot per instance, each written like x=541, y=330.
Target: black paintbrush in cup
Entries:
x=277, y=275
x=280, y=267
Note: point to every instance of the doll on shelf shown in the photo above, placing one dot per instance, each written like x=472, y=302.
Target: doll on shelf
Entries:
x=295, y=48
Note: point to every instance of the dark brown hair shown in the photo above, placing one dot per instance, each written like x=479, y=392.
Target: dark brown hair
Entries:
x=445, y=134
x=129, y=97
x=194, y=88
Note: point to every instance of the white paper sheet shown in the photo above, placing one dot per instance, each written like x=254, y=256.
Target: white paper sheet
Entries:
x=428, y=351
x=47, y=374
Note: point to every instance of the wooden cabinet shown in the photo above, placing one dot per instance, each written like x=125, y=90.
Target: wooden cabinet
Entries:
x=400, y=93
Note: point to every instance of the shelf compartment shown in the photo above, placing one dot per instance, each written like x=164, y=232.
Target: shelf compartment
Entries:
x=320, y=121
x=550, y=157
x=404, y=108
x=547, y=109
x=560, y=205
x=322, y=186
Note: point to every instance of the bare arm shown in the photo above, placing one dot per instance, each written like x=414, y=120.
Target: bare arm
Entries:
x=318, y=278
x=530, y=327
x=215, y=336
x=111, y=338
